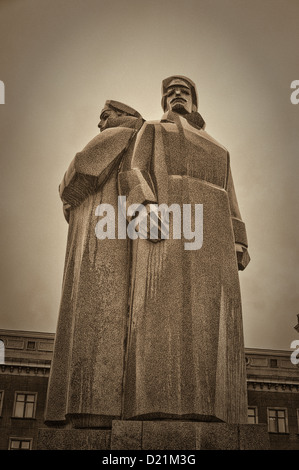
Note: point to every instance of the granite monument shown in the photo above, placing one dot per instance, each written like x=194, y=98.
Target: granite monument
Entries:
x=149, y=350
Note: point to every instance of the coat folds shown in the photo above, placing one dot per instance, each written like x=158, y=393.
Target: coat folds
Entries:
x=86, y=380
x=185, y=351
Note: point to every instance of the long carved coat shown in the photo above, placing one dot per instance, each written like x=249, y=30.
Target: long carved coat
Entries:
x=86, y=380
x=185, y=351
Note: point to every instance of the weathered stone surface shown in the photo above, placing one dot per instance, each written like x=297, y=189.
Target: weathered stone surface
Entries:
x=217, y=436
x=73, y=439
x=254, y=437
x=168, y=435
x=177, y=435
x=126, y=435
x=158, y=435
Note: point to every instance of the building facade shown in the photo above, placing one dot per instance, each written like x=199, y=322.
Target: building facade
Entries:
x=273, y=395
x=25, y=361
x=24, y=374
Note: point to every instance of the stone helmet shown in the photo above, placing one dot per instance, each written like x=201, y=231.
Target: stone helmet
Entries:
x=123, y=108
x=182, y=81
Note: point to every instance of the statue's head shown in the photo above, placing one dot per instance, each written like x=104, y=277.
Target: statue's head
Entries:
x=112, y=110
x=179, y=94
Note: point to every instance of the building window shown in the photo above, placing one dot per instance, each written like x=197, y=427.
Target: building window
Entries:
x=31, y=345
x=25, y=404
x=20, y=443
x=277, y=420
x=273, y=363
x=252, y=415
x=1, y=401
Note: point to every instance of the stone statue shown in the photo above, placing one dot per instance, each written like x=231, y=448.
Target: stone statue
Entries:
x=86, y=381
x=185, y=351
x=151, y=328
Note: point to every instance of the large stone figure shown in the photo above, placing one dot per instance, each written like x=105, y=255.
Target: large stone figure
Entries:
x=86, y=382
x=185, y=351
x=148, y=330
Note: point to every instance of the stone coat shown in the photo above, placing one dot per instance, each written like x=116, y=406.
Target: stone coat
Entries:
x=185, y=351
x=85, y=385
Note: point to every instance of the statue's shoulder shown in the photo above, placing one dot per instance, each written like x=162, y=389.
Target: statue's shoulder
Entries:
x=147, y=131
x=152, y=123
x=100, y=152
x=110, y=136
x=207, y=136
x=152, y=126
x=202, y=133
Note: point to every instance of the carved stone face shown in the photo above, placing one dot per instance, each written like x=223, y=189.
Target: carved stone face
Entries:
x=179, y=99
x=105, y=115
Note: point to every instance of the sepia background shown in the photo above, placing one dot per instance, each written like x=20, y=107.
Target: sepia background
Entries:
x=61, y=59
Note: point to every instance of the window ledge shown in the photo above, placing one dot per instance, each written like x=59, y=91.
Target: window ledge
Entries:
x=279, y=433
x=17, y=417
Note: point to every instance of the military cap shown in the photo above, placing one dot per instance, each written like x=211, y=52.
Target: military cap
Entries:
x=179, y=80
x=118, y=106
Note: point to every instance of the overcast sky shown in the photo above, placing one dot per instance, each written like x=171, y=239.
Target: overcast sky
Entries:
x=61, y=59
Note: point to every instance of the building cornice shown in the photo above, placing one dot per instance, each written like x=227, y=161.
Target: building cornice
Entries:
x=24, y=369
x=27, y=334
x=268, y=385
x=268, y=352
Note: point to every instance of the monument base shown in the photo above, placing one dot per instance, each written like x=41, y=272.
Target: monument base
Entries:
x=183, y=435
x=158, y=435
x=73, y=439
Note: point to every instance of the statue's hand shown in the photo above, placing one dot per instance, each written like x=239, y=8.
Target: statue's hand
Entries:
x=151, y=225
x=66, y=211
x=243, y=257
